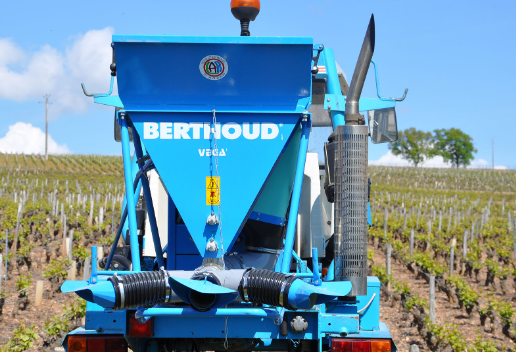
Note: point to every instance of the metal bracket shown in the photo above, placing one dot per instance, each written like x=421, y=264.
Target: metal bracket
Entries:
x=94, y=264
x=319, y=48
x=378, y=87
x=281, y=312
x=335, y=102
x=97, y=95
x=143, y=159
x=315, y=264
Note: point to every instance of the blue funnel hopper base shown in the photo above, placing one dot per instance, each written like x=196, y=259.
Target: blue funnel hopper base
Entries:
x=183, y=150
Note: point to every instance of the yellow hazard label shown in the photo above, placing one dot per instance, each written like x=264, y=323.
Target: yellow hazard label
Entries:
x=212, y=190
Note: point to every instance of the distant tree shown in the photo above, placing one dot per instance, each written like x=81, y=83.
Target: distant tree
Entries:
x=454, y=146
x=412, y=145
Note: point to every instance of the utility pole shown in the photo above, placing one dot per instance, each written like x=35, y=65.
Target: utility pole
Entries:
x=46, y=96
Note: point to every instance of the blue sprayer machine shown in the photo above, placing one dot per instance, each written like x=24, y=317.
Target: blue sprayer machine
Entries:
x=234, y=237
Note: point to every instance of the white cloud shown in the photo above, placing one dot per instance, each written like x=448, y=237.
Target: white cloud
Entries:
x=27, y=139
x=9, y=53
x=390, y=159
x=50, y=71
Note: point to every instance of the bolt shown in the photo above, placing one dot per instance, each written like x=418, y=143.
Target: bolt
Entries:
x=329, y=107
x=328, y=99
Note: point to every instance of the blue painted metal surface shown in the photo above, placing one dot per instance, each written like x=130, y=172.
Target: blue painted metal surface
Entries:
x=333, y=84
x=271, y=219
x=296, y=195
x=274, y=198
x=101, y=293
x=112, y=100
x=108, y=320
x=369, y=219
x=315, y=266
x=243, y=164
x=370, y=316
x=94, y=264
x=162, y=73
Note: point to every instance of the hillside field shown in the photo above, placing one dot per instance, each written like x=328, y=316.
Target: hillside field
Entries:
x=471, y=211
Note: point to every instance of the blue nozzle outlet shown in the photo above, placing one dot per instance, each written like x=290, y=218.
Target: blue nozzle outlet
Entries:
x=102, y=293
x=303, y=295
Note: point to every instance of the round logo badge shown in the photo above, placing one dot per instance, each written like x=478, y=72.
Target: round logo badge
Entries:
x=213, y=67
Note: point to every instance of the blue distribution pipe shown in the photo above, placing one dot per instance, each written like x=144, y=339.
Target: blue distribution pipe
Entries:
x=333, y=85
x=133, y=234
x=121, y=227
x=148, y=199
x=134, y=171
x=296, y=197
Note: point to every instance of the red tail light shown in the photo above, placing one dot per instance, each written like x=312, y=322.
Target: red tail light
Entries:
x=140, y=330
x=360, y=345
x=85, y=343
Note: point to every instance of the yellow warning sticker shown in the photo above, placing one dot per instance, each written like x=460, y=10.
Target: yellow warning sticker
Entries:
x=212, y=190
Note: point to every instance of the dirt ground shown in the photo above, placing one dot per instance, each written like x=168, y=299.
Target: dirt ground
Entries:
x=400, y=323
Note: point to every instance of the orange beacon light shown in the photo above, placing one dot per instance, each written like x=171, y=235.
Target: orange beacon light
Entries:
x=245, y=11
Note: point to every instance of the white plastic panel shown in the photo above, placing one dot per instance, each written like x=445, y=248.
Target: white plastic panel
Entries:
x=310, y=232
x=160, y=200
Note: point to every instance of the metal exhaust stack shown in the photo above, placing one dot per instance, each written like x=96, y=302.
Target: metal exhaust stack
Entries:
x=351, y=180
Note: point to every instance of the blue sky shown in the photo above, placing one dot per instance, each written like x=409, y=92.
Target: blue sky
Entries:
x=454, y=56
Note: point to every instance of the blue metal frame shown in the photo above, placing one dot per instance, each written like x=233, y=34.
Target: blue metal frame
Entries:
x=148, y=199
x=333, y=85
x=296, y=194
x=131, y=204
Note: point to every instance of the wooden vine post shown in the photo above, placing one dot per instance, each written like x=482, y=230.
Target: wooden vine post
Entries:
x=411, y=242
x=432, y=299
x=452, y=254
x=39, y=293
x=86, y=269
x=388, y=254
